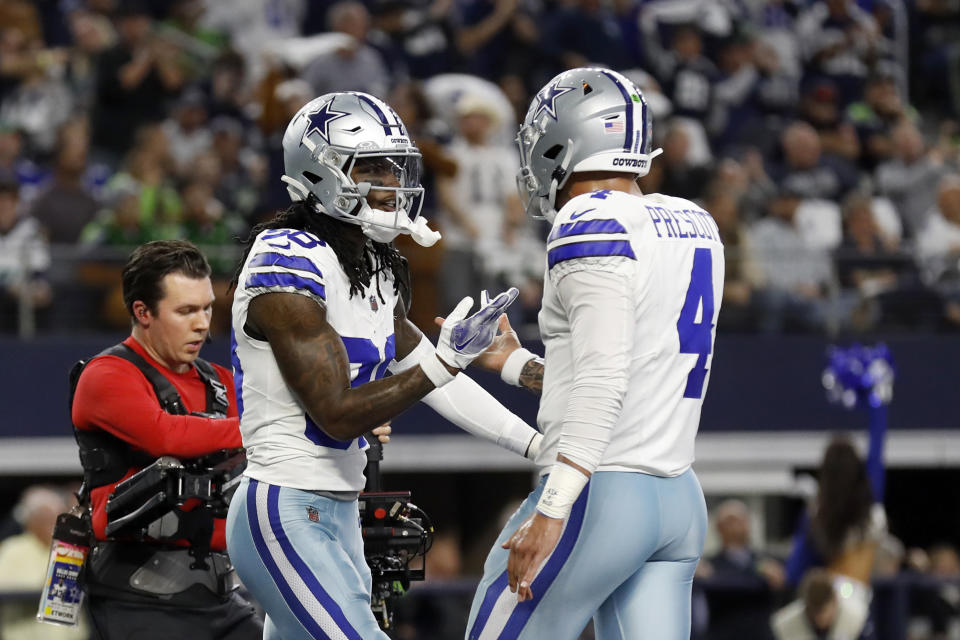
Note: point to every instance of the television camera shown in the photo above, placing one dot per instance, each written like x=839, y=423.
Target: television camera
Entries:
x=395, y=532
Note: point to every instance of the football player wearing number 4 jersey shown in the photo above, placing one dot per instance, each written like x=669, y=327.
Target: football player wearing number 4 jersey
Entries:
x=631, y=296
x=319, y=318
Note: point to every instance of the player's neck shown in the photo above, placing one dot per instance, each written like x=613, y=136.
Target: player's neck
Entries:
x=591, y=181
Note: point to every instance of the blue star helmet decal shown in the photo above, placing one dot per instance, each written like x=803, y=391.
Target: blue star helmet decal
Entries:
x=548, y=98
x=320, y=122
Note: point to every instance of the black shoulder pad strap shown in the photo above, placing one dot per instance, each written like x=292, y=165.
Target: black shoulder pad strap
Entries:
x=216, y=391
x=167, y=394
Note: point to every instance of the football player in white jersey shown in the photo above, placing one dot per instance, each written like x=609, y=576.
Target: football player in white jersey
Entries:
x=319, y=318
x=631, y=295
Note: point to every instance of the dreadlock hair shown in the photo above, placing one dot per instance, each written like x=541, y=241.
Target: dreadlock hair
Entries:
x=377, y=258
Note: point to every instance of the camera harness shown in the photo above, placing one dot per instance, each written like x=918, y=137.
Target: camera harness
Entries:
x=106, y=458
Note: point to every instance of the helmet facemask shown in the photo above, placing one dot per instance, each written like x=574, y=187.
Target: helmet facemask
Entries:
x=538, y=199
x=384, y=191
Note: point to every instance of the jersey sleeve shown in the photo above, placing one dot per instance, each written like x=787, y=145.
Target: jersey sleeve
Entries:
x=589, y=234
x=599, y=305
x=288, y=261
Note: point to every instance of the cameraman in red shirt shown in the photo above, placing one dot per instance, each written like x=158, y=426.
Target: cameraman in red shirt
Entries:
x=148, y=397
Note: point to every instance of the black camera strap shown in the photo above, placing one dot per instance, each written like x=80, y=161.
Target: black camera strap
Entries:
x=216, y=390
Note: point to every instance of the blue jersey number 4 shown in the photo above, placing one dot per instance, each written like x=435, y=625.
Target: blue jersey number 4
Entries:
x=696, y=337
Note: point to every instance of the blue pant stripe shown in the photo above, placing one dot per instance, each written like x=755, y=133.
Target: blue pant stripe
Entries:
x=522, y=612
x=331, y=607
x=289, y=597
x=490, y=599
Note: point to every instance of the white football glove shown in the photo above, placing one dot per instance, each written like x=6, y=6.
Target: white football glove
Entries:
x=463, y=338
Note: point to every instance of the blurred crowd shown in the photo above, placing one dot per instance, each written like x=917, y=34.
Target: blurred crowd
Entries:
x=821, y=134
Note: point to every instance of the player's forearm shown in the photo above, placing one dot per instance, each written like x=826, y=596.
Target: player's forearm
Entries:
x=592, y=411
x=345, y=412
x=467, y=405
x=531, y=376
x=521, y=368
x=358, y=410
x=314, y=364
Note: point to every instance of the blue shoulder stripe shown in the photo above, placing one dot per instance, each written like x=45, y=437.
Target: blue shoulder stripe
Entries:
x=298, y=263
x=587, y=226
x=274, y=280
x=590, y=249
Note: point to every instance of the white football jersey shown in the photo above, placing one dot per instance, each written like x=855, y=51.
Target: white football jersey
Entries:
x=284, y=445
x=670, y=253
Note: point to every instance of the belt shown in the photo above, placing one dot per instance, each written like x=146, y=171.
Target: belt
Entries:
x=148, y=572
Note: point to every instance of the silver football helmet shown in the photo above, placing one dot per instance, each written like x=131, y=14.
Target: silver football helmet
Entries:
x=338, y=137
x=586, y=119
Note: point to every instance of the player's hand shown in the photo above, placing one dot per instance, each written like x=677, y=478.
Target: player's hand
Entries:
x=529, y=546
x=505, y=343
x=462, y=338
x=383, y=433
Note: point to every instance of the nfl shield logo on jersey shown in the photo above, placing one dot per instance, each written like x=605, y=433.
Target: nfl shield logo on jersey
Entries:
x=373, y=302
x=313, y=514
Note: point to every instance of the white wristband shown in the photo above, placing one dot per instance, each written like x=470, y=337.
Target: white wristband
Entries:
x=435, y=370
x=562, y=489
x=513, y=366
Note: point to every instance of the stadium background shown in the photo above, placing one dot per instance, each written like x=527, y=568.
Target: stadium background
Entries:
x=821, y=134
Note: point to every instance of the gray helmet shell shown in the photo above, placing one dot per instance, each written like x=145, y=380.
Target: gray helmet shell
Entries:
x=586, y=119
x=324, y=141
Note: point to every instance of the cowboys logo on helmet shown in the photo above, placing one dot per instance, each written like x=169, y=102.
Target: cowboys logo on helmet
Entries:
x=586, y=119
x=338, y=137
